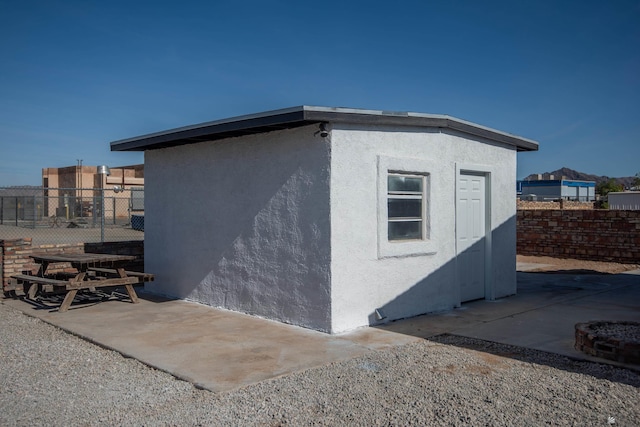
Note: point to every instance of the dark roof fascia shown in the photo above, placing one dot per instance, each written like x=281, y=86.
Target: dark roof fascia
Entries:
x=370, y=117
x=219, y=129
x=306, y=115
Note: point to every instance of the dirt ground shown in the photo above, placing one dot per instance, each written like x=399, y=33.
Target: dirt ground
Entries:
x=575, y=265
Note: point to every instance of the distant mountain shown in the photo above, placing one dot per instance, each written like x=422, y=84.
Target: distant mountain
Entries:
x=581, y=176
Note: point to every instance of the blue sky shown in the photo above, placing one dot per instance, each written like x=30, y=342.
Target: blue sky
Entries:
x=76, y=75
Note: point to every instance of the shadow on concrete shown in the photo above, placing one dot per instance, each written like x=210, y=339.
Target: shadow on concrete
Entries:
x=51, y=301
x=540, y=319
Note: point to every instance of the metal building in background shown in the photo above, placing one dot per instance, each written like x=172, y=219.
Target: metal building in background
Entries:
x=557, y=189
x=624, y=201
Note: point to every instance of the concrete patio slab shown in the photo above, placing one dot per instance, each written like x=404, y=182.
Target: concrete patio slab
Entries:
x=542, y=315
x=222, y=350
x=212, y=348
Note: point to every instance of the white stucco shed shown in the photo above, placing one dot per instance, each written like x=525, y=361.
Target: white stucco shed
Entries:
x=331, y=218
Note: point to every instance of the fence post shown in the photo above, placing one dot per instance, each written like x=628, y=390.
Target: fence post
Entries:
x=102, y=215
x=17, y=211
x=35, y=214
x=95, y=211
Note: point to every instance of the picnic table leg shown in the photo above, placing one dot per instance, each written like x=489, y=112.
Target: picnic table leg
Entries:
x=68, y=299
x=33, y=290
x=43, y=269
x=132, y=292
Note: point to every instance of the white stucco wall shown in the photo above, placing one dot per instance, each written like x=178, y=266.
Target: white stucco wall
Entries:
x=243, y=224
x=363, y=277
x=286, y=225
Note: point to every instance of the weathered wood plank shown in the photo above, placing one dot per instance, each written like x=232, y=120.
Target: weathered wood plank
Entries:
x=86, y=284
x=145, y=277
x=38, y=279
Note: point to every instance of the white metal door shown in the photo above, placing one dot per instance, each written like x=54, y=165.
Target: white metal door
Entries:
x=470, y=234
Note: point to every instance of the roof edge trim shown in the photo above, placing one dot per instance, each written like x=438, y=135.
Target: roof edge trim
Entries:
x=303, y=115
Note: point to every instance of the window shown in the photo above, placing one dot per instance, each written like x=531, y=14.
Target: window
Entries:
x=406, y=206
x=407, y=192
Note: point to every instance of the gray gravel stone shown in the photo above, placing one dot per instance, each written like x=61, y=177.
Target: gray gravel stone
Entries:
x=623, y=331
x=49, y=377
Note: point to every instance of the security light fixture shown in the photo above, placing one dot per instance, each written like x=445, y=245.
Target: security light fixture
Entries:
x=323, y=132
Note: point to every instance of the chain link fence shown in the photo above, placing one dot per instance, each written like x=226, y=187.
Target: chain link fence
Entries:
x=71, y=215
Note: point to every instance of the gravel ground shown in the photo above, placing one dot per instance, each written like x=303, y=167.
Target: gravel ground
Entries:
x=623, y=331
x=49, y=377
x=576, y=265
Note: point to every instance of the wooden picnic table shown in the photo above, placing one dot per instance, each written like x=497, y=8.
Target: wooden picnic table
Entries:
x=109, y=266
x=82, y=262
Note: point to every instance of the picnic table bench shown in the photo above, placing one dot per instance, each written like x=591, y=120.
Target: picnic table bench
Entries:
x=142, y=277
x=87, y=265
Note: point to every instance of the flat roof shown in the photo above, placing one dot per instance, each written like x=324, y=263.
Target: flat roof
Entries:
x=289, y=118
x=553, y=182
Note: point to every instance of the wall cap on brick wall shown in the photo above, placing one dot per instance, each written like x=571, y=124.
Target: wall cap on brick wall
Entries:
x=564, y=205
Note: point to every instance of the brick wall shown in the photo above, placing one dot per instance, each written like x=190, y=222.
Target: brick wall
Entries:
x=598, y=235
x=14, y=255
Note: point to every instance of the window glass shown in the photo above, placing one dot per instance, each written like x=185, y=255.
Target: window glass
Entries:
x=399, y=183
x=405, y=208
x=405, y=230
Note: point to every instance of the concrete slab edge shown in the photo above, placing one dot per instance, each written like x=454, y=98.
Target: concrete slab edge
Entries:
x=108, y=347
